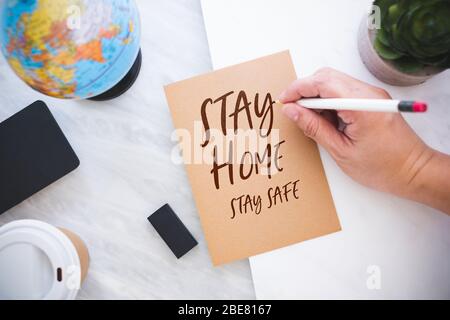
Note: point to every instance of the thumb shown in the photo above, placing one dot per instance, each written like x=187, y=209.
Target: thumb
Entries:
x=316, y=127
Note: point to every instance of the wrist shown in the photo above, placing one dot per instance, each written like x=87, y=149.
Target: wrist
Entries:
x=428, y=179
x=418, y=170
x=411, y=170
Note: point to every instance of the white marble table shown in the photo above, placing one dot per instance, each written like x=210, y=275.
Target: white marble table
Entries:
x=126, y=173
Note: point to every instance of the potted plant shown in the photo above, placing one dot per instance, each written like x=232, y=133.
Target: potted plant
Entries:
x=409, y=41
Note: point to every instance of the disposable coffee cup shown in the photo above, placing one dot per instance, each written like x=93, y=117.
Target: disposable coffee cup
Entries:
x=40, y=261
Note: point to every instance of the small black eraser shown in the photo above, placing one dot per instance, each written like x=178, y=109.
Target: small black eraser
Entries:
x=172, y=231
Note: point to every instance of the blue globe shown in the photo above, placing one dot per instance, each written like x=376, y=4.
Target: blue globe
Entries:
x=74, y=49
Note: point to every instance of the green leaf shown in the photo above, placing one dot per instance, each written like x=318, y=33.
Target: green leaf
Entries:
x=384, y=51
x=418, y=31
x=437, y=61
x=383, y=37
x=394, y=12
x=408, y=65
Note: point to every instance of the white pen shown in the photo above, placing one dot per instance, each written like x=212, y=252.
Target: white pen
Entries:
x=376, y=105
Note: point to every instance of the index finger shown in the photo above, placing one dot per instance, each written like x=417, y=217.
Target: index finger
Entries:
x=298, y=89
x=325, y=83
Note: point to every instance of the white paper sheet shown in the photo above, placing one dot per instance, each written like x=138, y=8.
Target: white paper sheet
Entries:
x=403, y=244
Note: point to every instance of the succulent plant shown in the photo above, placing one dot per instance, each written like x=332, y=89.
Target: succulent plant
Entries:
x=414, y=33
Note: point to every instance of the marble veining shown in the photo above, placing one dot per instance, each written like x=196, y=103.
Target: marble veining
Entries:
x=126, y=172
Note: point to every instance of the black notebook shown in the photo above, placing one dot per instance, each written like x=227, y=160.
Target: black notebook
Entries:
x=33, y=154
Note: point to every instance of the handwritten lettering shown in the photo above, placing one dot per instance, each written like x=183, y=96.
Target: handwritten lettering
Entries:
x=262, y=111
x=281, y=194
x=251, y=160
x=246, y=203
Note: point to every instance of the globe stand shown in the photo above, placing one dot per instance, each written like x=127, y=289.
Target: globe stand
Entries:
x=124, y=84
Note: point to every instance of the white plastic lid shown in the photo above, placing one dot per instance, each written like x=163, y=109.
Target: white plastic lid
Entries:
x=37, y=261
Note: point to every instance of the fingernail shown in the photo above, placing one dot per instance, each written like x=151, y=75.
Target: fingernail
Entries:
x=291, y=112
x=282, y=96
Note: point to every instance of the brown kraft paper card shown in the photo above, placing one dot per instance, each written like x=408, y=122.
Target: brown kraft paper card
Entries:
x=258, y=182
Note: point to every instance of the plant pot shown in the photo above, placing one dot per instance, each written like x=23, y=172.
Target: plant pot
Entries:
x=383, y=69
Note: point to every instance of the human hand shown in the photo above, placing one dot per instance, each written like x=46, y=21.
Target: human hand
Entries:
x=379, y=150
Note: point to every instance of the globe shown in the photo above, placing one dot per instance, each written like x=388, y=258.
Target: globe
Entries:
x=72, y=49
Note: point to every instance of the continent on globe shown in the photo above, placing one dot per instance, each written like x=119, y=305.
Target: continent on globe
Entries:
x=64, y=60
